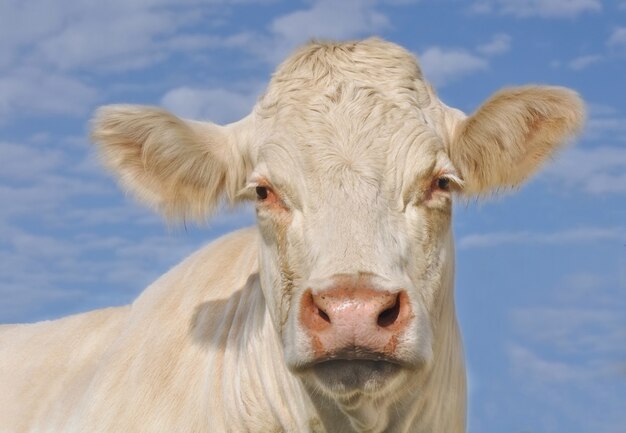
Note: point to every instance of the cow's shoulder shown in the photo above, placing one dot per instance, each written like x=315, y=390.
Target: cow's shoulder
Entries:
x=38, y=359
x=84, y=363
x=161, y=332
x=215, y=271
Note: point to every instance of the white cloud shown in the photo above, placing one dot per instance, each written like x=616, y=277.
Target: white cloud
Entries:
x=34, y=91
x=27, y=25
x=324, y=19
x=606, y=128
x=400, y=2
x=50, y=193
x=48, y=53
x=570, y=236
x=99, y=34
x=606, y=125
x=574, y=346
x=618, y=37
x=69, y=268
x=216, y=105
x=598, y=110
x=544, y=372
x=442, y=66
x=90, y=267
x=40, y=179
x=616, y=40
x=583, y=62
x=552, y=381
x=129, y=44
x=584, y=287
x=593, y=292
x=80, y=217
x=330, y=19
x=20, y=300
x=540, y=8
x=499, y=44
x=596, y=333
x=595, y=171
x=20, y=162
x=94, y=38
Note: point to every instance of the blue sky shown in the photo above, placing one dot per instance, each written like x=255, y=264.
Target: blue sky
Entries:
x=541, y=273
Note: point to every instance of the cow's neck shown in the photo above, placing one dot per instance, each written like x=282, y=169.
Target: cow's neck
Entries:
x=433, y=399
x=256, y=391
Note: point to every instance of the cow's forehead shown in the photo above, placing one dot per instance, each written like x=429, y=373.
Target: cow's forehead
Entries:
x=368, y=63
x=378, y=67
x=349, y=110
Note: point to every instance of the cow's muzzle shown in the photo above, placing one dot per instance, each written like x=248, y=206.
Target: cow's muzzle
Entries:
x=354, y=321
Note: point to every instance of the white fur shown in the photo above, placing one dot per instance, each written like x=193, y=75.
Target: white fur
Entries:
x=351, y=141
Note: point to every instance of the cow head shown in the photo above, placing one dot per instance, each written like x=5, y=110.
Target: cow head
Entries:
x=352, y=163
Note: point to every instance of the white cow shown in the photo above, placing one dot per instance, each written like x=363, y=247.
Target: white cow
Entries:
x=336, y=314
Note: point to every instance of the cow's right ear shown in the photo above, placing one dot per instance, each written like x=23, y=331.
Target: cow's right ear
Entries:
x=512, y=134
x=180, y=167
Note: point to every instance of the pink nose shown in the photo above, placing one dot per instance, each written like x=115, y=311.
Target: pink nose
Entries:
x=354, y=319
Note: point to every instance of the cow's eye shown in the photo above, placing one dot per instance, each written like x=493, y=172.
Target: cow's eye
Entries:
x=443, y=183
x=262, y=192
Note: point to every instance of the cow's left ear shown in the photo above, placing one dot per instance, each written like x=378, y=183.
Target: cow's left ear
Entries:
x=179, y=167
x=512, y=134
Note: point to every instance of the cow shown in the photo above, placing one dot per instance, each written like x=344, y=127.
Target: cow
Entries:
x=336, y=312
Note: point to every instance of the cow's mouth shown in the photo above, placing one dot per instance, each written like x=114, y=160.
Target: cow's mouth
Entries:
x=349, y=372
x=348, y=375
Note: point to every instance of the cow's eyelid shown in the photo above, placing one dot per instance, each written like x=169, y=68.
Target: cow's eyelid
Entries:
x=248, y=191
x=454, y=181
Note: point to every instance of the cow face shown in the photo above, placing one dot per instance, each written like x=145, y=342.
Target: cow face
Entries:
x=352, y=163
x=353, y=191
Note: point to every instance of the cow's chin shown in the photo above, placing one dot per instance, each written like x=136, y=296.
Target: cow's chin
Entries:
x=353, y=371
x=348, y=376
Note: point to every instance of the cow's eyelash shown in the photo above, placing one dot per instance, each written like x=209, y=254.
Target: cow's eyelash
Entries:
x=250, y=190
x=455, y=182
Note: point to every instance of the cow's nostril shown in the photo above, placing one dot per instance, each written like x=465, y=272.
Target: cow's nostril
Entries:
x=323, y=314
x=390, y=315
